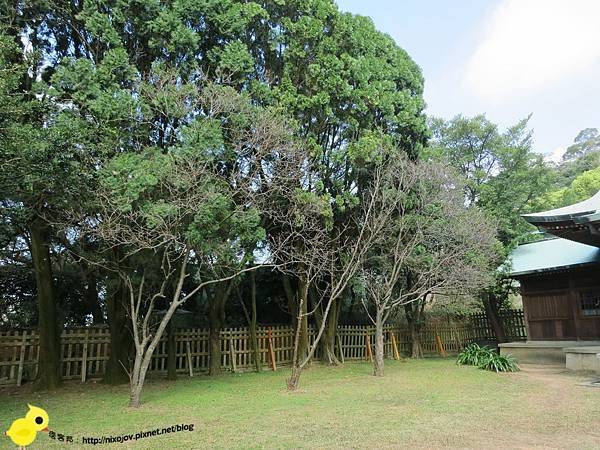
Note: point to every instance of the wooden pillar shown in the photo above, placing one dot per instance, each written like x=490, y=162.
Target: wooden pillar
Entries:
x=574, y=300
x=84, y=357
x=525, y=312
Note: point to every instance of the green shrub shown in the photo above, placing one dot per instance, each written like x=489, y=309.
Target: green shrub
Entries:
x=486, y=358
x=499, y=363
x=473, y=355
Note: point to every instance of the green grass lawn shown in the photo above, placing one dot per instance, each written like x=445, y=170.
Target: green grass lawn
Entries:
x=418, y=404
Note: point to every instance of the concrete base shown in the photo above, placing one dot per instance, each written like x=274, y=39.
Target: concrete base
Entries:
x=542, y=352
x=583, y=358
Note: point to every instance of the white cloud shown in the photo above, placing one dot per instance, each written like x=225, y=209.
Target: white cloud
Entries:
x=529, y=46
x=555, y=156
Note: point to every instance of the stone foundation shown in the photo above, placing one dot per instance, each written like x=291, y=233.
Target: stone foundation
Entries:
x=550, y=352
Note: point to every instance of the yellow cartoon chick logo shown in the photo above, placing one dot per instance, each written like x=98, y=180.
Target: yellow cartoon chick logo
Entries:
x=24, y=431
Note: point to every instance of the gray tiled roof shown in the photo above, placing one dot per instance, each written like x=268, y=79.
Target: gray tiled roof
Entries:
x=550, y=255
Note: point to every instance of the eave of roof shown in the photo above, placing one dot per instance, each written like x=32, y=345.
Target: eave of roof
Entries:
x=551, y=255
x=582, y=212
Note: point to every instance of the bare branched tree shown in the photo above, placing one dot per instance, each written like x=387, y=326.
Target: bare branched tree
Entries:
x=308, y=247
x=430, y=242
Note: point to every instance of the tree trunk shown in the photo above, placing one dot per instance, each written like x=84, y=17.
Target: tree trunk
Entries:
x=121, y=340
x=413, y=313
x=135, y=396
x=303, y=317
x=294, y=380
x=328, y=339
x=291, y=298
x=92, y=300
x=216, y=318
x=171, y=351
x=214, y=335
x=143, y=357
x=492, y=312
x=253, y=319
x=378, y=362
x=48, y=328
x=416, y=348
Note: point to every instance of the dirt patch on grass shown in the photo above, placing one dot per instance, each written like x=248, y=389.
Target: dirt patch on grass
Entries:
x=559, y=412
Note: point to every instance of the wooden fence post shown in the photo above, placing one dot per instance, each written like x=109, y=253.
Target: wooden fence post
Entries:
x=189, y=357
x=271, y=351
x=440, y=346
x=369, y=354
x=394, y=345
x=21, y=359
x=340, y=349
x=232, y=353
x=84, y=357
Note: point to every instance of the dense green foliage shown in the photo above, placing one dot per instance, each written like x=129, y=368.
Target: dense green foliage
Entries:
x=473, y=355
x=499, y=363
x=485, y=358
x=108, y=103
x=504, y=176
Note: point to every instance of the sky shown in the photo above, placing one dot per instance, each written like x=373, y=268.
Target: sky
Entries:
x=504, y=58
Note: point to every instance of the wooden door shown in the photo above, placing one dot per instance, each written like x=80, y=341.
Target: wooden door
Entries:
x=550, y=316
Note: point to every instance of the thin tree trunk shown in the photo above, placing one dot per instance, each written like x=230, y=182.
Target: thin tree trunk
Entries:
x=121, y=341
x=328, y=340
x=216, y=317
x=291, y=299
x=416, y=348
x=253, y=319
x=294, y=380
x=92, y=299
x=303, y=317
x=492, y=312
x=135, y=396
x=214, y=335
x=378, y=362
x=413, y=317
x=48, y=328
x=142, y=362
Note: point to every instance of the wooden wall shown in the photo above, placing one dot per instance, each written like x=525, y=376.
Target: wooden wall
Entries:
x=552, y=305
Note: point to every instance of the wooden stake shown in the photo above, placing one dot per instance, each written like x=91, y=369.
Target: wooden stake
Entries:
x=440, y=346
x=232, y=354
x=84, y=357
x=21, y=359
x=189, y=357
x=369, y=355
x=394, y=345
x=271, y=352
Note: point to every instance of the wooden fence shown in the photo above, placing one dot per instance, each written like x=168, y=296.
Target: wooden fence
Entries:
x=85, y=351
x=513, y=322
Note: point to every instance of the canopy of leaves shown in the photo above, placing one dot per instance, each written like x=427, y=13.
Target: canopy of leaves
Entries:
x=503, y=175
